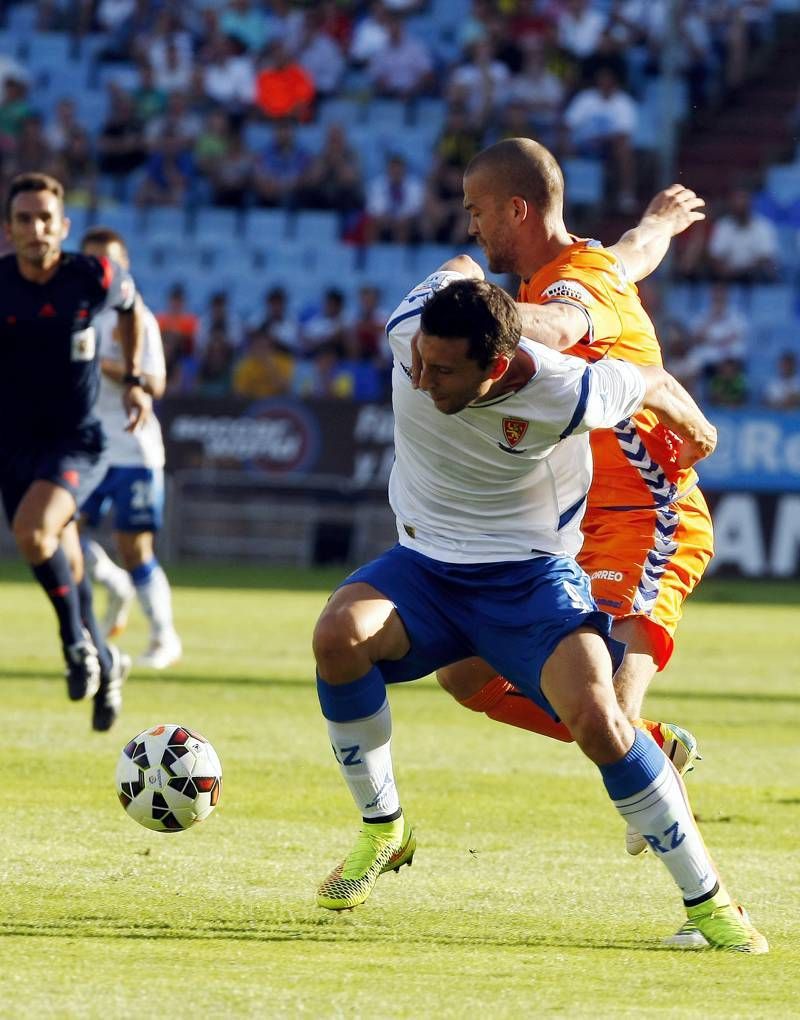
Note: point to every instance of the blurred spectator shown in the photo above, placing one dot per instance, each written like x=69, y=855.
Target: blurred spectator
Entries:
x=539, y=90
x=461, y=138
x=31, y=152
x=229, y=74
x=743, y=246
x=282, y=87
x=169, y=173
x=62, y=125
x=286, y=23
x=719, y=333
x=245, y=22
x=78, y=170
x=728, y=385
x=580, y=28
x=680, y=357
x=443, y=218
x=230, y=173
x=514, y=122
x=693, y=53
x=219, y=318
x=215, y=366
x=403, y=67
x=14, y=109
x=783, y=392
x=320, y=55
x=366, y=338
x=149, y=101
x=324, y=375
x=177, y=121
x=601, y=122
x=168, y=48
x=281, y=327
x=370, y=35
x=282, y=168
x=394, y=202
x=120, y=144
x=481, y=83
x=333, y=180
x=327, y=326
x=264, y=371
x=178, y=323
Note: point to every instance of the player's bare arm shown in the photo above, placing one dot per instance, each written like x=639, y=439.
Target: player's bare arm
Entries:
x=137, y=402
x=116, y=371
x=672, y=211
x=557, y=325
x=675, y=408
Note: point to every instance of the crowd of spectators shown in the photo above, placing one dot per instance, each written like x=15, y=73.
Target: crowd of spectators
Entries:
x=211, y=108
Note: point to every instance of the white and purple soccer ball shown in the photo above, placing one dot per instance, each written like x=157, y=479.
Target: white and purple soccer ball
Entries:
x=168, y=778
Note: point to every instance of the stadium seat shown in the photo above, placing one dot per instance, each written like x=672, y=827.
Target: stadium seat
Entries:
x=340, y=111
x=783, y=183
x=265, y=227
x=51, y=51
x=212, y=225
x=78, y=218
x=21, y=18
x=584, y=180
x=317, y=226
x=126, y=220
x=773, y=302
x=387, y=115
x=169, y=220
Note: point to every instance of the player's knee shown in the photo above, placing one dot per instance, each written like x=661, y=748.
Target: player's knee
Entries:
x=34, y=542
x=336, y=635
x=600, y=729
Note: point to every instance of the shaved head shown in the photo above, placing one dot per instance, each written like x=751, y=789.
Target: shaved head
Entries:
x=522, y=167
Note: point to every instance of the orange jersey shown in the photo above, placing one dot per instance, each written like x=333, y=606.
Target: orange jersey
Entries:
x=635, y=463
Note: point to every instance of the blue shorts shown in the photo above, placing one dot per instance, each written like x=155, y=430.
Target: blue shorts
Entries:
x=75, y=463
x=511, y=614
x=137, y=495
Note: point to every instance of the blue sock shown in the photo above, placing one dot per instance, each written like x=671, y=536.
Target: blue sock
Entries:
x=643, y=763
x=356, y=700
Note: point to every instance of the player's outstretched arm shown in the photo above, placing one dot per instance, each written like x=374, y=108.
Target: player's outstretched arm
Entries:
x=672, y=211
x=675, y=408
x=557, y=325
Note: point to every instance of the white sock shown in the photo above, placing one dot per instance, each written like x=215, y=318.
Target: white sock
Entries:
x=155, y=597
x=363, y=750
x=662, y=815
x=103, y=570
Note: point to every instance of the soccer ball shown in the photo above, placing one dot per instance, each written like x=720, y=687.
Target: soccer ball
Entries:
x=168, y=778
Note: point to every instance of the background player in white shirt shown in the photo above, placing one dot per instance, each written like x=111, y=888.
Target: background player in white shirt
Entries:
x=134, y=483
x=488, y=487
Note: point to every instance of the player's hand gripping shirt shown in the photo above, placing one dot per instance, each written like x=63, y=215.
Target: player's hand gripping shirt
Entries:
x=144, y=447
x=49, y=371
x=507, y=479
x=635, y=463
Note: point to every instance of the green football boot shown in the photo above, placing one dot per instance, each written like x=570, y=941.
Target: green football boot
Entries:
x=380, y=847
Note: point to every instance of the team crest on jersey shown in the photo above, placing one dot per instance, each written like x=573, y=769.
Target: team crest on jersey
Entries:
x=514, y=429
x=83, y=345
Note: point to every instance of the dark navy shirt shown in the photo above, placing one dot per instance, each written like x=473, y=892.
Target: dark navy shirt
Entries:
x=49, y=370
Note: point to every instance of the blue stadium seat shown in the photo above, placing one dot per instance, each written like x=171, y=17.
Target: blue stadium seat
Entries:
x=315, y=226
x=257, y=135
x=388, y=260
x=22, y=18
x=584, y=180
x=775, y=302
x=387, y=115
x=126, y=220
x=78, y=218
x=12, y=43
x=51, y=51
x=169, y=220
x=783, y=183
x=126, y=76
x=265, y=227
x=212, y=225
x=340, y=111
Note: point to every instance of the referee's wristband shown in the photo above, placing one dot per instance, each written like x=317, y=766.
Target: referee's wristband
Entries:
x=131, y=379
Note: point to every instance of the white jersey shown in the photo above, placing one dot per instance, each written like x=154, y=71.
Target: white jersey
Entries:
x=145, y=447
x=506, y=479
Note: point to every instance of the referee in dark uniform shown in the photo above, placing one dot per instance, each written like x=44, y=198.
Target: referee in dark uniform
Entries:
x=51, y=444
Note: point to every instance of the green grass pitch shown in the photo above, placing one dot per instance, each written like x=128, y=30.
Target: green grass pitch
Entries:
x=521, y=901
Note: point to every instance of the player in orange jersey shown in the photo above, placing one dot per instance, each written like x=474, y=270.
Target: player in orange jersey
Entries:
x=647, y=528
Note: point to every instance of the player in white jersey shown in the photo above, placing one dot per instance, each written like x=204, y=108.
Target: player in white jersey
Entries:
x=134, y=483
x=488, y=486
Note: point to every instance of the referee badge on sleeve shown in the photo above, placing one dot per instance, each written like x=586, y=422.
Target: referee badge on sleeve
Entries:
x=83, y=344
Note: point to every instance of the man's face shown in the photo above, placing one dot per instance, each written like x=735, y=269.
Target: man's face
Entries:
x=36, y=227
x=449, y=375
x=491, y=223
